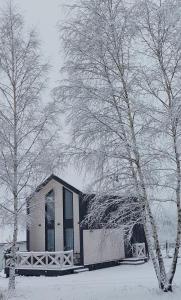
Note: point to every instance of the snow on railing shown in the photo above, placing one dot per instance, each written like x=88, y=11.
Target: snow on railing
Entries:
x=138, y=250
x=43, y=260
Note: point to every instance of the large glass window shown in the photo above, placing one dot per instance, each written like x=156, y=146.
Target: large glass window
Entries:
x=50, y=207
x=68, y=205
x=50, y=239
x=68, y=219
x=50, y=221
x=69, y=238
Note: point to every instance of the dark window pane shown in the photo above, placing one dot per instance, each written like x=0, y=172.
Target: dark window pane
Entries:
x=50, y=207
x=50, y=240
x=69, y=238
x=68, y=205
x=50, y=221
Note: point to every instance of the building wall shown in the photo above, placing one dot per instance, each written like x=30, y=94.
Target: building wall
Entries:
x=37, y=218
x=103, y=245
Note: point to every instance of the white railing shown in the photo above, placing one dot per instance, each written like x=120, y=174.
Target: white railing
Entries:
x=138, y=250
x=43, y=260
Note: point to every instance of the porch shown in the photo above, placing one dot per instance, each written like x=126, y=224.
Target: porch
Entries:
x=43, y=263
x=63, y=262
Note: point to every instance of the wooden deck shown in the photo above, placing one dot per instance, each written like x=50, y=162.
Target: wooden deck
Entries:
x=62, y=263
x=44, y=271
x=43, y=263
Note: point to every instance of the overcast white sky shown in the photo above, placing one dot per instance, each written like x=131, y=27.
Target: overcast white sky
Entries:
x=44, y=16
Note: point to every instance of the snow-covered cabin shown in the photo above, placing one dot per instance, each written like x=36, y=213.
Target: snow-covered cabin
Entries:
x=57, y=244
x=56, y=211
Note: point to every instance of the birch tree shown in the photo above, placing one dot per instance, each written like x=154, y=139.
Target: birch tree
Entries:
x=27, y=132
x=111, y=129
x=159, y=27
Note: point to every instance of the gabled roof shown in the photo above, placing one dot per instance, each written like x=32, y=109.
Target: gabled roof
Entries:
x=58, y=179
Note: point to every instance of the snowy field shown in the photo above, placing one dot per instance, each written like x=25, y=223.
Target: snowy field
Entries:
x=121, y=282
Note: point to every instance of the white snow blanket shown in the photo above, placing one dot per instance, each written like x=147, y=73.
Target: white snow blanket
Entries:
x=116, y=283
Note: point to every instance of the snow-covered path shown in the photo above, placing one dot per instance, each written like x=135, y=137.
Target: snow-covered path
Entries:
x=122, y=282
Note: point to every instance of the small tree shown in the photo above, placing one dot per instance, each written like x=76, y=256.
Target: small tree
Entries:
x=27, y=132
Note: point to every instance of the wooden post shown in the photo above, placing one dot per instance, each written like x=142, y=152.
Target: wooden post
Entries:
x=31, y=258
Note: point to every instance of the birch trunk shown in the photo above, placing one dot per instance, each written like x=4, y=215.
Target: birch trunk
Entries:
x=162, y=272
x=178, y=196
x=12, y=274
x=141, y=196
x=160, y=38
x=15, y=162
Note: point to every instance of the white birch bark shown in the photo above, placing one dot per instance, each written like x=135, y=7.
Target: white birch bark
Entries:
x=27, y=125
x=159, y=32
x=106, y=114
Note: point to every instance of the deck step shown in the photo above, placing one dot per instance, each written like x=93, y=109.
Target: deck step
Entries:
x=81, y=270
x=134, y=258
x=133, y=261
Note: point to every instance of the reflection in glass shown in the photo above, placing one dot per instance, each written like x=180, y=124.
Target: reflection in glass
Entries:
x=50, y=221
x=69, y=238
x=68, y=203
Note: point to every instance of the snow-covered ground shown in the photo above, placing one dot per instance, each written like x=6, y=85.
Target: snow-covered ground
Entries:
x=121, y=282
